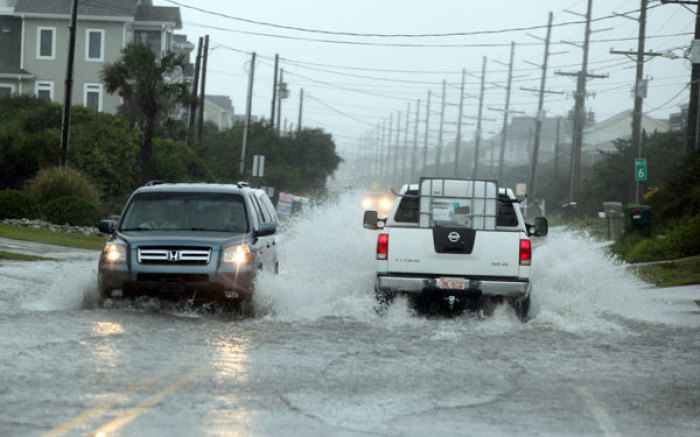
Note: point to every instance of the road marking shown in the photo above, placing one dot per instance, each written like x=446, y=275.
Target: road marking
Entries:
x=606, y=424
x=100, y=409
x=149, y=403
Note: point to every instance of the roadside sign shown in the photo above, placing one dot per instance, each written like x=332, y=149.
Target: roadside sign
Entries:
x=258, y=166
x=284, y=204
x=520, y=189
x=640, y=169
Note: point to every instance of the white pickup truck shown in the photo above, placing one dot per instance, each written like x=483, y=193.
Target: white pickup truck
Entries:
x=455, y=242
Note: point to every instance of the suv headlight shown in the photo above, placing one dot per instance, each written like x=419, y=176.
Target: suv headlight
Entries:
x=115, y=251
x=239, y=254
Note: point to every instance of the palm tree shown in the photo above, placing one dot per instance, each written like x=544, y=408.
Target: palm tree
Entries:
x=150, y=87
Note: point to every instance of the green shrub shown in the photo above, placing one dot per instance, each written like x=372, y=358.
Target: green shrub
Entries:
x=56, y=182
x=16, y=204
x=71, y=211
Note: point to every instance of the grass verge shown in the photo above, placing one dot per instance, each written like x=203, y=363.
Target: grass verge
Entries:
x=670, y=273
x=64, y=239
x=23, y=257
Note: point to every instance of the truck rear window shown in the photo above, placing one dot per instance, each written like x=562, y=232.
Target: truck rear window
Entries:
x=409, y=208
x=506, y=213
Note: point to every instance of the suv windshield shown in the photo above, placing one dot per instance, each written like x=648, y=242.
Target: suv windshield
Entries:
x=217, y=212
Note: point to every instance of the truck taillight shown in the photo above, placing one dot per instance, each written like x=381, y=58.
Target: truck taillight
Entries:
x=382, y=246
x=525, y=253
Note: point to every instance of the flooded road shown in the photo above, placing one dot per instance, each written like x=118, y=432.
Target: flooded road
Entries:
x=604, y=354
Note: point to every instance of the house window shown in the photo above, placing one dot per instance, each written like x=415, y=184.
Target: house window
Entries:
x=5, y=91
x=94, y=44
x=93, y=96
x=44, y=90
x=46, y=43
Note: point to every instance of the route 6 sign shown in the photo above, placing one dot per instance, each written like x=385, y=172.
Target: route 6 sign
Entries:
x=640, y=169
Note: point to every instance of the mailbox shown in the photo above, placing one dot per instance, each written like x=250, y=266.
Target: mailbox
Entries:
x=640, y=219
x=612, y=209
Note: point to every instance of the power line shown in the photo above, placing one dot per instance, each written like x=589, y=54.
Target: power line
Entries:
x=391, y=35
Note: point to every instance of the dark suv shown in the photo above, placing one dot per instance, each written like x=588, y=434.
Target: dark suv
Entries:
x=201, y=241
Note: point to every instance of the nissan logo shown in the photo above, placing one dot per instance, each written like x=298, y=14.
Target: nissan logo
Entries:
x=173, y=256
x=453, y=237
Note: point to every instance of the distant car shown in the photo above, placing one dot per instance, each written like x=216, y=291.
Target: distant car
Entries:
x=201, y=241
x=381, y=202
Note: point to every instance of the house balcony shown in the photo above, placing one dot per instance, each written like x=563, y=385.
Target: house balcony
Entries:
x=7, y=6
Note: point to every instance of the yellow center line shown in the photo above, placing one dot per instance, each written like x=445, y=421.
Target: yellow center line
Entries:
x=97, y=411
x=149, y=403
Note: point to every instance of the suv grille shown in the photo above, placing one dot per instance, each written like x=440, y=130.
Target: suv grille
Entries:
x=174, y=255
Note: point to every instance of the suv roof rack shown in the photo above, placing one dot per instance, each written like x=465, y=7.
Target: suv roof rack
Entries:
x=152, y=183
x=242, y=184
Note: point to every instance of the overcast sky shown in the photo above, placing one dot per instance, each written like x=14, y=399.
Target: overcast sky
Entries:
x=352, y=83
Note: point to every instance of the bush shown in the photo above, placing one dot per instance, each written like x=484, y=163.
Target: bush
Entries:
x=72, y=211
x=56, y=182
x=16, y=204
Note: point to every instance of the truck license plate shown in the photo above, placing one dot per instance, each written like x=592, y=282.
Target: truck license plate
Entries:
x=451, y=283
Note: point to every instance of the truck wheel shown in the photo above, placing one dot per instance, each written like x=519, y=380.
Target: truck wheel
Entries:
x=384, y=300
x=521, y=307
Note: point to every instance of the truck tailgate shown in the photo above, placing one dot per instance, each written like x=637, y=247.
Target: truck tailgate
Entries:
x=494, y=253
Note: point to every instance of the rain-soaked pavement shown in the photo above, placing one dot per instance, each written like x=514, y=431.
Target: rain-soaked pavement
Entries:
x=603, y=355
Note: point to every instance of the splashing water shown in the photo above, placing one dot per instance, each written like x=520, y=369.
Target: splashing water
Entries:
x=327, y=269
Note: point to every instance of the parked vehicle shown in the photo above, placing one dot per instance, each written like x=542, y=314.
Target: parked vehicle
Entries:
x=201, y=241
x=455, y=242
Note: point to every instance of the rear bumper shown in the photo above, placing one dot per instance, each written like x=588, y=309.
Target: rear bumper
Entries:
x=476, y=287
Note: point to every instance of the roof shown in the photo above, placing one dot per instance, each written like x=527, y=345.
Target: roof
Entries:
x=10, y=46
x=157, y=187
x=159, y=14
x=222, y=102
x=624, y=117
x=101, y=8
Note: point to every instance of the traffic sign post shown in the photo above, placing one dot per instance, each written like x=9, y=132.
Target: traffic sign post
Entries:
x=640, y=173
x=640, y=169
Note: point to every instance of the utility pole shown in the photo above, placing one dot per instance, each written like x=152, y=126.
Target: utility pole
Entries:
x=386, y=139
x=556, y=151
x=438, y=161
x=415, y=142
x=395, y=176
x=640, y=86
x=427, y=128
x=404, y=169
x=281, y=91
x=506, y=112
x=200, y=127
x=477, y=139
x=458, y=140
x=540, y=114
x=301, y=107
x=691, y=143
x=274, y=91
x=195, y=87
x=388, y=158
x=579, y=120
x=65, y=128
x=246, y=126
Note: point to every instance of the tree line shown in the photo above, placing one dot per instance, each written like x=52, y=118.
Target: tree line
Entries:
x=146, y=140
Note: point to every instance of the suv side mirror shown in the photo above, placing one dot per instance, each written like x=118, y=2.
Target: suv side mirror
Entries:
x=266, y=229
x=371, y=220
x=541, y=227
x=106, y=226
